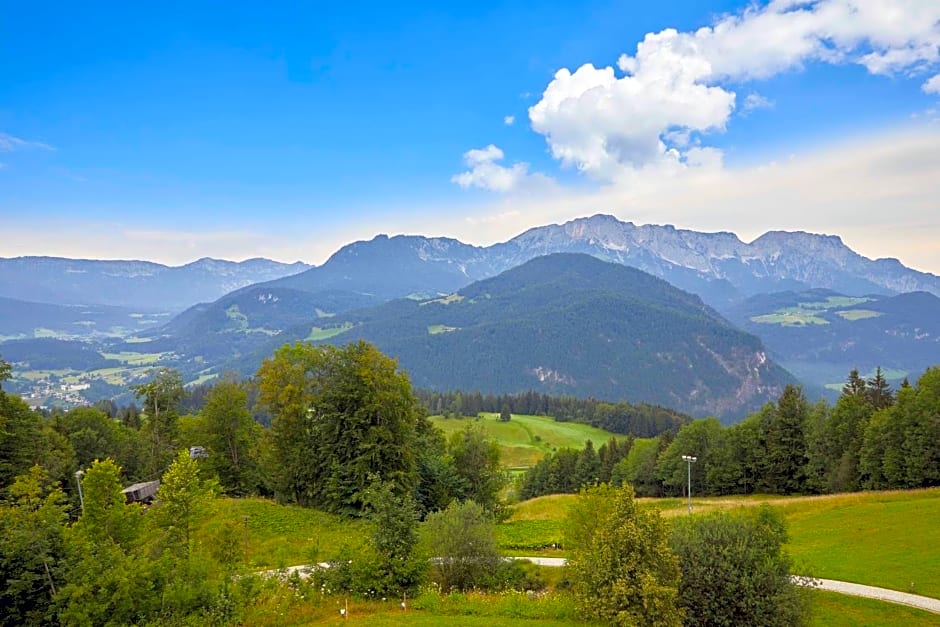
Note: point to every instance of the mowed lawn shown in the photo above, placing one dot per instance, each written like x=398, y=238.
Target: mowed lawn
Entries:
x=524, y=440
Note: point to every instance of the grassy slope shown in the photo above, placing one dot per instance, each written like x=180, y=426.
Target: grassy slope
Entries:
x=524, y=440
x=284, y=535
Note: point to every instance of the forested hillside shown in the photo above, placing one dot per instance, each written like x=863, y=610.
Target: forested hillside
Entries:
x=574, y=325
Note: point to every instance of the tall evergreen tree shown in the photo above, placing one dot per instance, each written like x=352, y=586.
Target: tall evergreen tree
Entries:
x=786, y=443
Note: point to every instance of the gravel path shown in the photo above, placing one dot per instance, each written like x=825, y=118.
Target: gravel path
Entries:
x=882, y=594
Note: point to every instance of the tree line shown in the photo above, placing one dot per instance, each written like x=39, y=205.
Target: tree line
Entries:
x=641, y=420
x=872, y=438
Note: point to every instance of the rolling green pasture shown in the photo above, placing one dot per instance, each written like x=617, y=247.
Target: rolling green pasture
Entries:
x=524, y=440
x=807, y=313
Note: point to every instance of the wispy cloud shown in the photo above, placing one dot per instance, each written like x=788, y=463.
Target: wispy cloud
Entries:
x=509, y=120
x=11, y=143
x=755, y=101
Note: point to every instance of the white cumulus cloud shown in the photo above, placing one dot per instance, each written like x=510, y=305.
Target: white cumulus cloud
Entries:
x=673, y=91
x=509, y=120
x=486, y=174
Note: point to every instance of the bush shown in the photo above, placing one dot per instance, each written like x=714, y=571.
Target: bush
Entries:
x=462, y=540
x=734, y=571
x=621, y=569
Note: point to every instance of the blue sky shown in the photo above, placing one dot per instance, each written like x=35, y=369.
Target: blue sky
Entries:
x=176, y=131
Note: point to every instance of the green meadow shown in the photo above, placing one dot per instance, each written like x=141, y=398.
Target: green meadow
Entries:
x=524, y=440
x=886, y=539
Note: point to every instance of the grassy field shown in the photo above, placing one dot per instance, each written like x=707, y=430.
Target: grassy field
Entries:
x=524, y=440
x=790, y=317
x=325, y=333
x=834, y=537
x=838, y=610
x=858, y=314
x=284, y=535
x=885, y=539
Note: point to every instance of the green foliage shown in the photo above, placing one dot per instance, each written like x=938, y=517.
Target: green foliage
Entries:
x=475, y=459
x=231, y=437
x=785, y=451
x=621, y=568
x=20, y=438
x=182, y=501
x=900, y=447
x=161, y=397
x=108, y=580
x=462, y=542
x=394, y=539
x=734, y=571
x=700, y=439
x=340, y=416
x=94, y=435
x=31, y=524
x=6, y=372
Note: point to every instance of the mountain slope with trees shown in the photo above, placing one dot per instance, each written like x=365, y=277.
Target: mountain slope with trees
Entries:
x=819, y=335
x=571, y=324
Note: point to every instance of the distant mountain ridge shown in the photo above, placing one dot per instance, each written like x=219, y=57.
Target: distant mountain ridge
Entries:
x=718, y=267
x=142, y=285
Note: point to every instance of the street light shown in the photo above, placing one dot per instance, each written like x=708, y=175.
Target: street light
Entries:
x=690, y=460
x=78, y=479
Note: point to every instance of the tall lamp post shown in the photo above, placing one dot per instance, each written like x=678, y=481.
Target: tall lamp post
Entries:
x=78, y=479
x=688, y=459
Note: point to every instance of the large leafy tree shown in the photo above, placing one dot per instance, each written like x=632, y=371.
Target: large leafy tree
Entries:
x=621, y=567
x=341, y=415
x=231, y=436
x=109, y=579
x=21, y=440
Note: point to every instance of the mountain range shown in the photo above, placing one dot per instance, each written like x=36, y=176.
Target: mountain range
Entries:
x=718, y=267
x=142, y=286
x=236, y=311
